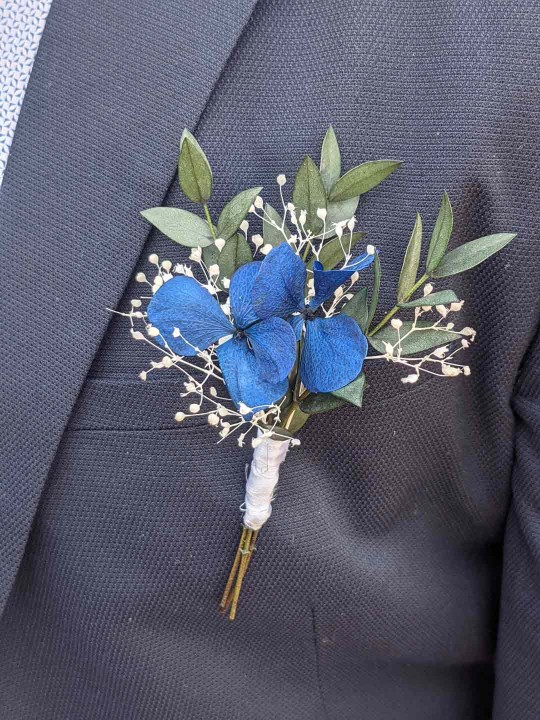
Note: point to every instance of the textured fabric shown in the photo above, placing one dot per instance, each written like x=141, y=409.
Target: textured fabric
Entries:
x=21, y=26
x=375, y=591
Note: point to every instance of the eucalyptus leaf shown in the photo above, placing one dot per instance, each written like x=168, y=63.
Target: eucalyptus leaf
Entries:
x=471, y=254
x=210, y=255
x=376, y=287
x=362, y=178
x=422, y=339
x=441, y=234
x=235, y=253
x=353, y=392
x=333, y=251
x=443, y=297
x=357, y=308
x=330, y=160
x=272, y=235
x=194, y=172
x=411, y=261
x=183, y=227
x=235, y=211
x=309, y=194
x=321, y=402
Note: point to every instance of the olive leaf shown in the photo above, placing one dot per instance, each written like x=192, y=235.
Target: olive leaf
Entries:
x=337, y=212
x=471, y=254
x=443, y=297
x=272, y=235
x=411, y=261
x=309, y=194
x=333, y=252
x=376, y=287
x=441, y=234
x=362, y=178
x=357, y=308
x=210, y=255
x=321, y=402
x=183, y=227
x=330, y=164
x=235, y=211
x=353, y=392
x=194, y=172
x=424, y=338
x=236, y=252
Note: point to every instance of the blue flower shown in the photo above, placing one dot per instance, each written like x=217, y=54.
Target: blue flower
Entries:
x=255, y=360
x=334, y=348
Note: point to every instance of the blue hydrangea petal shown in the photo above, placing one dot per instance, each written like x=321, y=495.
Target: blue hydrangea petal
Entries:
x=297, y=324
x=278, y=289
x=274, y=345
x=327, y=281
x=184, y=304
x=333, y=353
x=240, y=294
x=241, y=372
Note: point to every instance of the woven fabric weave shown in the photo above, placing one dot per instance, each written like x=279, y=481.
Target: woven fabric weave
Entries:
x=375, y=591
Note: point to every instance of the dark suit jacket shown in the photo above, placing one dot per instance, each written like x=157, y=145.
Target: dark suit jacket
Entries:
x=398, y=577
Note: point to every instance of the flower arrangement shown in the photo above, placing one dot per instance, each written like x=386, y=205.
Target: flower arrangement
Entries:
x=269, y=329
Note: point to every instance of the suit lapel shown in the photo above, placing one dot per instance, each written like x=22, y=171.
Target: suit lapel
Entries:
x=112, y=87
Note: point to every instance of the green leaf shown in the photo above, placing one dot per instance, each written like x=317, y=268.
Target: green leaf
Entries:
x=210, y=255
x=183, y=227
x=337, y=212
x=376, y=287
x=353, y=392
x=330, y=160
x=321, y=402
x=235, y=211
x=332, y=251
x=443, y=297
x=194, y=172
x=411, y=261
x=441, y=234
x=271, y=235
x=235, y=253
x=296, y=422
x=309, y=194
x=471, y=254
x=357, y=308
x=417, y=342
x=362, y=178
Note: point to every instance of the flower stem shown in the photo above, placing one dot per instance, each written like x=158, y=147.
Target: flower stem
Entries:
x=209, y=221
x=231, y=594
x=389, y=315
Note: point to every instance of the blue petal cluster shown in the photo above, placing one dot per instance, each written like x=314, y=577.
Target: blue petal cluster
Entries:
x=268, y=316
x=334, y=348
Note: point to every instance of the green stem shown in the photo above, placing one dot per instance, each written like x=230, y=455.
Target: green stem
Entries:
x=209, y=221
x=389, y=315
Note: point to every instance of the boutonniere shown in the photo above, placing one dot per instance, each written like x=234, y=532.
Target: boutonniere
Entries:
x=275, y=317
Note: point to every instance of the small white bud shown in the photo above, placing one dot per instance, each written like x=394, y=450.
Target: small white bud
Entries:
x=194, y=408
x=266, y=249
x=450, y=370
x=154, y=259
x=166, y=265
x=256, y=442
x=220, y=244
x=196, y=254
x=167, y=361
x=281, y=180
x=167, y=277
x=140, y=277
x=388, y=348
x=176, y=332
x=152, y=331
x=469, y=332
x=303, y=217
x=441, y=310
x=321, y=213
x=396, y=323
x=259, y=202
x=440, y=352
x=456, y=306
x=295, y=442
x=450, y=326
x=244, y=226
x=465, y=343
x=142, y=375
x=351, y=224
x=226, y=283
x=213, y=391
x=190, y=387
x=244, y=409
x=410, y=379
x=158, y=281
x=240, y=440
x=290, y=207
x=428, y=289
x=370, y=249
x=179, y=269
x=222, y=412
x=338, y=292
x=188, y=271
x=213, y=419
x=257, y=240
x=137, y=335
x=214, y=270
x=136, y=303
x=466, y=370
x=180, y=416
x=223, y=433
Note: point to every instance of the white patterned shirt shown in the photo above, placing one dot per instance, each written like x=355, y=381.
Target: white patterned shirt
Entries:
x=21, y=27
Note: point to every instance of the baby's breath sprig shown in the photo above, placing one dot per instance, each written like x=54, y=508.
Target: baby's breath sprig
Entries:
x=270, y=321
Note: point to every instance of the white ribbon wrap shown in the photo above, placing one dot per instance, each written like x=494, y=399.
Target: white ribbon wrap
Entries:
x=262, y=480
